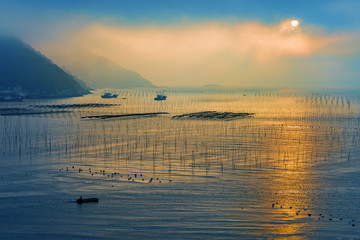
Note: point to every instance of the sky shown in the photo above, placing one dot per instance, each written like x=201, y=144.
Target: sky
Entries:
x=198, y=42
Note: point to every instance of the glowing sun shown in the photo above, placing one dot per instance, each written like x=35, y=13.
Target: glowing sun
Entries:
x=294, y=23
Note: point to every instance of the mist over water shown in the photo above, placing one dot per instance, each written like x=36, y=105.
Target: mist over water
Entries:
x=285, y=172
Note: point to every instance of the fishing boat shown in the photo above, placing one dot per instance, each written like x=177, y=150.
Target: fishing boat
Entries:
x=160, y=96
x=109, y=95
x=85, y=200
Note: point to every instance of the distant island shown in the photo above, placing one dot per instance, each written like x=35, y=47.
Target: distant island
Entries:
x=22, y=67
x=211, y=85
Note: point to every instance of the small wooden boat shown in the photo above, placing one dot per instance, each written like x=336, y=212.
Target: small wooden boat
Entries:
x=84, y=200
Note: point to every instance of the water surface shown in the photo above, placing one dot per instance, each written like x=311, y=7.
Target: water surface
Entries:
x=291, y=171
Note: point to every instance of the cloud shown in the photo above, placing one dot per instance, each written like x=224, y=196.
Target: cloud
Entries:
x=195, y=54
x=208, y=38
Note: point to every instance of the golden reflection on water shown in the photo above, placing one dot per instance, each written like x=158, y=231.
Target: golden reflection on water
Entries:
x=288, y=137
x=295, y=147
x=176, y=150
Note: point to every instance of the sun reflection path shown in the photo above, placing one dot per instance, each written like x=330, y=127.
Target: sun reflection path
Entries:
x=275, y=156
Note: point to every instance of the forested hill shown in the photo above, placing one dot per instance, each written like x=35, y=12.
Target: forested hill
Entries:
x=22, y=66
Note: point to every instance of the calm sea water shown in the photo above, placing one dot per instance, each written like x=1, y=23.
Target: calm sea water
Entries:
x=291, y=171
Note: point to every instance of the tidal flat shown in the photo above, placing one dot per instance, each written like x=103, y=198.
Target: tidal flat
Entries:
x=290, y=170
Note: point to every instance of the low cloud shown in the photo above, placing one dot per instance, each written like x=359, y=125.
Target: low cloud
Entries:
x=248, y=53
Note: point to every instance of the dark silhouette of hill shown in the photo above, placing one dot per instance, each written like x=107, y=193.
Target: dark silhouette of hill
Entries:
x=38, y=76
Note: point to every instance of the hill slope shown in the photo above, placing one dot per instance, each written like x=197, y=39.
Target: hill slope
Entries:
x=38, y=76
x=99, y=72
x=94, y=70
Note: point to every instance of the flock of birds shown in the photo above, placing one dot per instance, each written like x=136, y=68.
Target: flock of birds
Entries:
x=130, y=177
x=319, y=216
x=141, y=178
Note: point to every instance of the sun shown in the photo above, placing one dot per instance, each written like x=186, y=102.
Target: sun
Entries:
x=294, y=23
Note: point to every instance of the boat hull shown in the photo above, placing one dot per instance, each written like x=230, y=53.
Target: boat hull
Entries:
x=113, y=96
x=86, y=200
x=160, y=98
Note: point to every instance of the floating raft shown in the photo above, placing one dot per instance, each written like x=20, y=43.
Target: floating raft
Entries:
x=124, y=115
x=82, y=105
x=213, y=115
x=26, y=111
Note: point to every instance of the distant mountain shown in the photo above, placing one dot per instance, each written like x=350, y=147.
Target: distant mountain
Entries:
x=38, y=76
x=100, y=72
x=95, y=71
